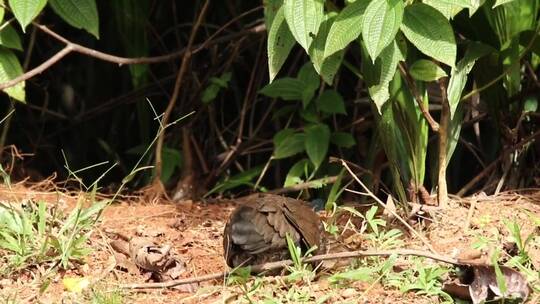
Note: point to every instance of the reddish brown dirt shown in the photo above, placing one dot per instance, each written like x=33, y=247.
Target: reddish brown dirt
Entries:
x=194, y=230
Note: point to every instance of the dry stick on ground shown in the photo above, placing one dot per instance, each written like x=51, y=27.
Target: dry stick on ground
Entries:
x=370, y=194
x=282, y=264
x=176, y=91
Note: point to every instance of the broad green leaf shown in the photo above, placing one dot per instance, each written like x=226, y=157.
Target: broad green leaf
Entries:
x=304, y=18
x=379, y=74
x=326, y=66
x=285, y=88
x=2, y=12
x=448, y=8
x=81, y=14
x=25, y=11
x=279, y=45
x=331, y=102
x=271, y=8
x=298, y=172
x=342, y=139
x=311, y=81
x=309, y=76
x=346, y=28
x=10, y=38
x=429, y=31
x=310, y=114
x=281, y=135
x=317, y=142
x=381, y=23
x=290, y=146
x=426, y=70
x=458, y=77
x=10, y=68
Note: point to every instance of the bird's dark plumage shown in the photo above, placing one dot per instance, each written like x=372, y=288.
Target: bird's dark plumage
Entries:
x=256, y=231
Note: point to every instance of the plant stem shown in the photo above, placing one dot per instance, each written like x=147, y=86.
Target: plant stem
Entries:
x=442, y=190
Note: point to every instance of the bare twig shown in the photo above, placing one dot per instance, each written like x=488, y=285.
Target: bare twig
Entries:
x=281, y=264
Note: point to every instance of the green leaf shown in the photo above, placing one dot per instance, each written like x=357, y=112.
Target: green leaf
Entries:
x=379, y=74
x=304, y=18
x=25, y=11
x=429, y=31
x=346, y=28
x=241, y=179
x=458, y=75
x=10, y=68
x=10, y=38
x=381, y=24
x=449, y=8
x=311, y=80
x=290, y=146
x=327, y=67
x=271, y=8
x=285, y=88
x=2, y=12
x=364, y=274
x=280, y=136
x=297, y=173
x=331, y=102
x=317, y=142
x=426, y=70
x=342, y=139
x=216, y=84
x=81, y=14
x=279, y=45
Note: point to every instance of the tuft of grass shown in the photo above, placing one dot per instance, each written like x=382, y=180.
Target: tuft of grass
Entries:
x=34, y=234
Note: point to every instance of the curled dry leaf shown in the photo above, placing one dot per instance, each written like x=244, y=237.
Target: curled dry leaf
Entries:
x=479, y=283
x=149, y=256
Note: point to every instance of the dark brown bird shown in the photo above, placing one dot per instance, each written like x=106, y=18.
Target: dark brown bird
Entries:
x=256, y=231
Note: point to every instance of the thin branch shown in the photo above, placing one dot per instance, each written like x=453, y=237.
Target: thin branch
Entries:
x=282, y=264
x=74, y=47
x=412, y=85
x=176, y=90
